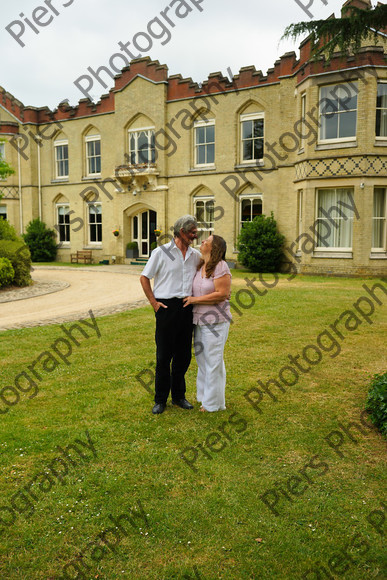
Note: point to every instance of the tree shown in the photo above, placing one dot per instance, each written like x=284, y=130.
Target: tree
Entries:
x=41, y=241
x=346, y=33
x=260, y=245
x=5, y=169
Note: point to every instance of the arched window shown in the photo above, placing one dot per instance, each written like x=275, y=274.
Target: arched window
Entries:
x=252, y=137
x=250, y=206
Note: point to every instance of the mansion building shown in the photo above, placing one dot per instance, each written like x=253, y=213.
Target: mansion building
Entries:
x=307, y=141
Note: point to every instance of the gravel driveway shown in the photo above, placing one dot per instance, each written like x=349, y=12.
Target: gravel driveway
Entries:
x=66, y=294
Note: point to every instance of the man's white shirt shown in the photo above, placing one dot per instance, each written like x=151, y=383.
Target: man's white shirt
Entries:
x=173, y=275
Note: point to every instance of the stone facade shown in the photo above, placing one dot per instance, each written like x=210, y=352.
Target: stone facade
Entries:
x=323, y=160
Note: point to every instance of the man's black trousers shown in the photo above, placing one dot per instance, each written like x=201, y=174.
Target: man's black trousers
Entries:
x=173, y=348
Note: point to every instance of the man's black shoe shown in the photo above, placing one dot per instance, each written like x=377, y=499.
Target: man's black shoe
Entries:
x=158, y=409
x=183, y=403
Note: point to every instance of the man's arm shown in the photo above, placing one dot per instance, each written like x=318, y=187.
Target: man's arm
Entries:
x=146, y=286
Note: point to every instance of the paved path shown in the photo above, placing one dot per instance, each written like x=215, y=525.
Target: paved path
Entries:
x=61, y=294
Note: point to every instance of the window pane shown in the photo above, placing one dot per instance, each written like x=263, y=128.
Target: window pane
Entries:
x=210, y=153
x=246, y=210
x=200, y=135
x=210, y=212
x=348, y=124
x=257, y=208
x=247, y=130
x=247, y=150
x=210, y=134
x=330, y=126
x=135, y=227
x=201, y=154
x=258, y=128
x=379, y=202
x=258, y=149
x=200, y=211
x=347, y=97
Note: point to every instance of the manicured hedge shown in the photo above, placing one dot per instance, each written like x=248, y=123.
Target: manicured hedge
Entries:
x=7, y=272
x=19, y=256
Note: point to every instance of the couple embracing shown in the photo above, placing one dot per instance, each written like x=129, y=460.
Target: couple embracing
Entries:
x=191, y=291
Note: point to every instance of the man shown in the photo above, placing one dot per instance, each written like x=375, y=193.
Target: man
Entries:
x=173, y=267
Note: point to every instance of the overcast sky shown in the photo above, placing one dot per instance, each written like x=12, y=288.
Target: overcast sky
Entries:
x=225, y=34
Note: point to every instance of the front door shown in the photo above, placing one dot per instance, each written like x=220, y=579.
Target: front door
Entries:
x=143, y=226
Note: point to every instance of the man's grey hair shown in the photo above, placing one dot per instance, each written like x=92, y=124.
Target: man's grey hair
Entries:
x=185, y=223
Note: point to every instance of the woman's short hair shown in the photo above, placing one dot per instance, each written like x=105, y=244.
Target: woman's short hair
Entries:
x=185, y=223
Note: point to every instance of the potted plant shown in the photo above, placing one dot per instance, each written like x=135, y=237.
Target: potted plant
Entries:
x=116, y=233
x=132, y=250
x=157, y=232
x=153, y=245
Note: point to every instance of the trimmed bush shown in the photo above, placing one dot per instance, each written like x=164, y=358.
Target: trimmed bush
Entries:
x=41, y=241
x=7, y=273
x=19, y=256
x=376, y=403
x=7, y=232
x=260, y=245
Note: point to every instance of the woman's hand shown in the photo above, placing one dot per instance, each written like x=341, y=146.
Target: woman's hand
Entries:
x=189, y=300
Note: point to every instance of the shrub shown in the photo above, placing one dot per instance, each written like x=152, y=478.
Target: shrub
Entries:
x=41, y=241
x=19, y=256
x=260, y=245
x=153, y=245
x=132, y=246
x=7, y=232
x=7, y=273
x=376, y=403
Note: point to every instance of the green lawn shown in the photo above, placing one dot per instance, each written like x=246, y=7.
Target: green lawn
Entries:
x=274, y=488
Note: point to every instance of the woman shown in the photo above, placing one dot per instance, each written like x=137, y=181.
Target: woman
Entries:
x=211, y=286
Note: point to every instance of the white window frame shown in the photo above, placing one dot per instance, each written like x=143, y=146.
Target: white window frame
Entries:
x=380, y=137
x=89, y=224
x=335, y=216
x=383, y=219
x=204, y=227
x=135, y=133
x=57, y=144
x=250, y=196
x=91, y=139
x=58, y=206
x=322, y=103
x=252, y=117
x=198, y=125
x=3, y=213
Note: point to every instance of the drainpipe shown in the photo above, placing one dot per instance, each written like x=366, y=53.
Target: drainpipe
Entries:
x=39, y=143
x=19, y=139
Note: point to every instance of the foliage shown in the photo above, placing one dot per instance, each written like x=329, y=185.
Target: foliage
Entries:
x=132, y=246
x=19, y=255
x=153, y=245
x=41, y=241
x=7, y=231
x=376, y=402
x=5, y=169
x=7, y=272
x=260, y=244
x=345, y=33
